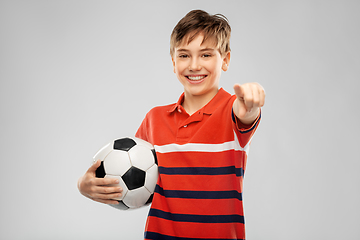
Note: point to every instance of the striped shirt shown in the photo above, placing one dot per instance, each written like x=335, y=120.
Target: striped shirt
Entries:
x=202, y=160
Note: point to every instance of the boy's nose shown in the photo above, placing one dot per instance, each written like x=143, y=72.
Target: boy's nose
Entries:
x=194, y=65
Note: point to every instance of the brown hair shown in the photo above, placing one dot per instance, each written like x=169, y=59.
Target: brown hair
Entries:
x=214, y=27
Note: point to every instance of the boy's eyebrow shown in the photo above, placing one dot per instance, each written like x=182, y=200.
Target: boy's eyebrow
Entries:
x=201, y=50
x=181, y=50
x=207, y=49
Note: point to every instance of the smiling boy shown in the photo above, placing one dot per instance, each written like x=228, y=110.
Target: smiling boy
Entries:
x=202, y=141
x=198, y=67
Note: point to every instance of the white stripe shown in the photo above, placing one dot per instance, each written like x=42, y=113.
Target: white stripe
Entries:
x=202, y=147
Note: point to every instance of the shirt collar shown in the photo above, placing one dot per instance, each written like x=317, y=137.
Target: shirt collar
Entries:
x=209, y=108
x=177, y=106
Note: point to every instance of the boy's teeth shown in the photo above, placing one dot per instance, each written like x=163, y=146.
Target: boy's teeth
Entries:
x=196, y=78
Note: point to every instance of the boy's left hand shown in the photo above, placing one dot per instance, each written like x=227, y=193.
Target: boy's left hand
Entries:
x=250, y=97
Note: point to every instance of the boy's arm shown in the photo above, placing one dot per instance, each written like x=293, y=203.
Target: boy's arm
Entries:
x=250, y=97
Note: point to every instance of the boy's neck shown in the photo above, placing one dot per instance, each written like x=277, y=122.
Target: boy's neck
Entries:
x=193, y=103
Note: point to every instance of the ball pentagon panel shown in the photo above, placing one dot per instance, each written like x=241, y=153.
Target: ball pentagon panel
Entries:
x=134, y=178
x=124, y=144
x=100, y=171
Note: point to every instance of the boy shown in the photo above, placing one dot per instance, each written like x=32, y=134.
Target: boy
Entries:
x=201, y=141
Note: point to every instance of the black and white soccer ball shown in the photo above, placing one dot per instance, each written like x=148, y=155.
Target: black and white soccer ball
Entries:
x=132, y=161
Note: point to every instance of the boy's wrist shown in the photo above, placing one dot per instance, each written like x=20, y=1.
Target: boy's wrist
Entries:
x=250, y=118
x=247, y=124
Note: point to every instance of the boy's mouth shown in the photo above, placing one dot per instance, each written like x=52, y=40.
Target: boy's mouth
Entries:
x=196, y=78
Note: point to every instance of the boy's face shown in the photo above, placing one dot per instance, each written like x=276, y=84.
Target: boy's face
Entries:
x=198, y=66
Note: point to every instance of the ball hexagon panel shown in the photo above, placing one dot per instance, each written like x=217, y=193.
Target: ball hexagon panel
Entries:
x=134, y=178
x=143, y=143
x=120, y=206
x=151, y=178
x=137, y=197
x=121, y=184
x=141, y=157
x=103, y=152
x=117, y=163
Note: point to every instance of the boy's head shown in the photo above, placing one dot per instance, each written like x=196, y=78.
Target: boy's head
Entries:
x=214, y=28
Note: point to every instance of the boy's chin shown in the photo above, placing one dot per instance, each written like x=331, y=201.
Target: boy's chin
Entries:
x=198, y=91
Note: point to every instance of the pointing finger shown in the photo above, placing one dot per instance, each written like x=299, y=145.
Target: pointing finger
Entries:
x=262, y=96
x=239, y=92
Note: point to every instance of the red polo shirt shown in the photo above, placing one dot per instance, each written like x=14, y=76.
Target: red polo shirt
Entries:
x=202, y=159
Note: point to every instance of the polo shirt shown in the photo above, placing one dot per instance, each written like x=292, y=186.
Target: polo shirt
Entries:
x=202, y=160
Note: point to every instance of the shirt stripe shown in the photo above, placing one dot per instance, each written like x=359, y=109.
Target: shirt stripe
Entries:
x=158, y=236
x=198, y=194
x=239, y=172
x=234, y=218
x=202, y=147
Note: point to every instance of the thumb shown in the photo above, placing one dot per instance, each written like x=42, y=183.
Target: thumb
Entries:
x=93, y=167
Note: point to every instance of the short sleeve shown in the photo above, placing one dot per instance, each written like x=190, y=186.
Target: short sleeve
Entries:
x=142, y=130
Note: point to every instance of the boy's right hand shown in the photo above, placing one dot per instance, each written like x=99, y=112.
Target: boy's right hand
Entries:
x=99, y=189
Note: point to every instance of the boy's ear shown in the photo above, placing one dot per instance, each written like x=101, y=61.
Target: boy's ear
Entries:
x=172, y=59
x=226, y=62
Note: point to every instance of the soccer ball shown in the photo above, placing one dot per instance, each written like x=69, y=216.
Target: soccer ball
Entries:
x=132, y=161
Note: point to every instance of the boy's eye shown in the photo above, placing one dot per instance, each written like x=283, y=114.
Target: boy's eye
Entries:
x=183, y=56
x=206, y=55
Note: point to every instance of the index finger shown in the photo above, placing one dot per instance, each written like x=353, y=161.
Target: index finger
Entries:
x=106, y=181
x=239, y=91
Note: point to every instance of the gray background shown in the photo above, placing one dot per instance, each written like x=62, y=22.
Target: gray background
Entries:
x=76, y=74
